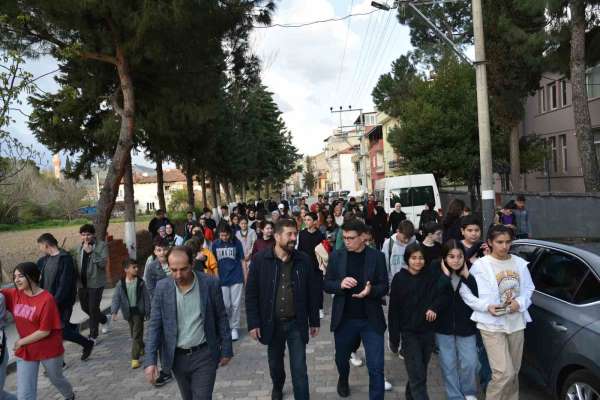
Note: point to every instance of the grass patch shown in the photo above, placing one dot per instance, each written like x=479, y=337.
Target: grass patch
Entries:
x=59, y=223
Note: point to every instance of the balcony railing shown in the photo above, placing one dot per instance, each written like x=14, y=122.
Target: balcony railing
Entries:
x=394, y=164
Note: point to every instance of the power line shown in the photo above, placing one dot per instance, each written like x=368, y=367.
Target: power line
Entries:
x=365, y=38
x=380, y=59
x=322, y=21
x=337, y=86
x=363, y=61
x=370, y=57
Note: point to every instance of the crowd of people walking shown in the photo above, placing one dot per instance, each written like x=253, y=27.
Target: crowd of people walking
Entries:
x=443, y=288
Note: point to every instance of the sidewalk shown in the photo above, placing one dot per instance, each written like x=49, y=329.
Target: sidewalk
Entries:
x=107, y=375
x=79, y=318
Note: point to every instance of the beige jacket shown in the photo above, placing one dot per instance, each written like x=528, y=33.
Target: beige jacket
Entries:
x=322, y=257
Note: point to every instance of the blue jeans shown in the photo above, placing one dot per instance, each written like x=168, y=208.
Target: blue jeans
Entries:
x=346, y=335
x=460, y=364
x=4, y=395
x=27, y=377
x=287, y=331
x=485, y=372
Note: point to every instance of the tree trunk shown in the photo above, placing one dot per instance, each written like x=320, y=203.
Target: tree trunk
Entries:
x=581, y=111
x=160, y=183
x=244, y=191
x=258, y=187
x=214, y=191
x=227, y=191
x=116, y=169
x=268, y=190
x=129, y=198
x=202, y=179
x=515, y=159
x=189, y=180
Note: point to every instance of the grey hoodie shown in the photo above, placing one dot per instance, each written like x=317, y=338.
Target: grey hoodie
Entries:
x=396, y=262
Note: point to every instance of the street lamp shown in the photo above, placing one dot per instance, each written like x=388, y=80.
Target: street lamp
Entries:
x=380, y=6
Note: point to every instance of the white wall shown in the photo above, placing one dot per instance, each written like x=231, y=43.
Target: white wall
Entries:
x=347, y=172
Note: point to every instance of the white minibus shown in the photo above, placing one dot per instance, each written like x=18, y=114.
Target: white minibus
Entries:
x=412, y=191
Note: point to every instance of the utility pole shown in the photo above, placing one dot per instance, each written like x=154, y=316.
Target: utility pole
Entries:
x=488, y=196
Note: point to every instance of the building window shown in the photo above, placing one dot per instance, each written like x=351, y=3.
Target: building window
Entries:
x=593, y=82
x=380, y=163
x=542, y=100
x=563, y=151
x=553, y=88
x=370, y=119
x=597, y=142
x=553, y=154
x=563, y=92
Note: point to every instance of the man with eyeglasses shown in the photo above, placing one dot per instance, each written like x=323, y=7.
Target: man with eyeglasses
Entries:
x=357, y=276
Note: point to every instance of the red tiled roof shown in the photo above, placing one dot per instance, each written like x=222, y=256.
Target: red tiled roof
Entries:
x=169, y=176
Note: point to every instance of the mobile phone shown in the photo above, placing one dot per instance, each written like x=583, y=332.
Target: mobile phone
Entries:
x=501, y=310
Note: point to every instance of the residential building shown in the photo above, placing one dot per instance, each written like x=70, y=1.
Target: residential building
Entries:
x=145, y=189
x=376, y=160
x=392, y=161
x=549, y=115
x=339, y=149
x=321, y=172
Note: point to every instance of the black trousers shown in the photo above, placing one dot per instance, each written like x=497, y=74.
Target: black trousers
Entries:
x=417, y=349
x=71, y=331
x=90, y=298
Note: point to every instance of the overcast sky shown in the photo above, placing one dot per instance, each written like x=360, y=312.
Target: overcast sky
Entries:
x=309, y=69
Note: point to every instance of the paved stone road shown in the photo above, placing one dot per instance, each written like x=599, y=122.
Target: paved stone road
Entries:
x=107, y=376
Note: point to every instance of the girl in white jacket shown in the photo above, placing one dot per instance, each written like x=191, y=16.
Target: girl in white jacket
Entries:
x=500, y=311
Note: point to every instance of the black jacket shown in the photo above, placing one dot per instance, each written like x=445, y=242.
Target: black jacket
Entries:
x=394, y=220
x=453, y=315
x=64, y=286
x=410, y=298
x=261, y=290
x=375, y=272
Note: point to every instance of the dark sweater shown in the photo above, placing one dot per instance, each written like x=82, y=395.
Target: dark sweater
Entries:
x=454, y=316
x=260, y=244
x=355, y=308
x=471, y=251
x=307, y=242
x=410, y=298
x=431, y=253
x=395, y=219
x=452, y=230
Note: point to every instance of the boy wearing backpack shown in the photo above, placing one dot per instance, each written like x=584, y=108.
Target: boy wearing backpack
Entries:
x=393, y=247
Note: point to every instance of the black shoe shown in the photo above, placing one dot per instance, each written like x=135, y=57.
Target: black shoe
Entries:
x=277, y=394
x=87, y=351
x=163, y=379
x=342, y=388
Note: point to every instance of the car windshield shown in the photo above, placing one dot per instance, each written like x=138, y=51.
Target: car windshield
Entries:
x=412, y=196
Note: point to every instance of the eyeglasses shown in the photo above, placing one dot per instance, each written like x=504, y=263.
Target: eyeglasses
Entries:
x=349, y=237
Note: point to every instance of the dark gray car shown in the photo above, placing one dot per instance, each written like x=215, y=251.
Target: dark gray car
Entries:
x=562, y=344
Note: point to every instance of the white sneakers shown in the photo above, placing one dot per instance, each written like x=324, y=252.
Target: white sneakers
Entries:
x=234, y=334
x=356, y=360
x=470, y=397
x=388, y=386
x=106, y=328
x=321, y=314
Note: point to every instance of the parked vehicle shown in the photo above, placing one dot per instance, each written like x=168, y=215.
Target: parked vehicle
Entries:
x=412, y=191
x=562, y=344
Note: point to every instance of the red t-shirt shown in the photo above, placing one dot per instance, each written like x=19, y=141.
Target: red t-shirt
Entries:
x=32, y=314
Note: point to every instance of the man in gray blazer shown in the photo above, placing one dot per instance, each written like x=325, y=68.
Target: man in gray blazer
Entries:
x=189, y=324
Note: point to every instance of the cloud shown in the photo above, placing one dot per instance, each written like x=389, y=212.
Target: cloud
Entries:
x=304, y=68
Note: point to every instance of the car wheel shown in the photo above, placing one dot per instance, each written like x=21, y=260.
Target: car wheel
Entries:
x=581, y=385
